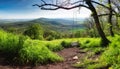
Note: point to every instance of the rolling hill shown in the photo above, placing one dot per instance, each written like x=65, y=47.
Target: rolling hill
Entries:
x=46, y=23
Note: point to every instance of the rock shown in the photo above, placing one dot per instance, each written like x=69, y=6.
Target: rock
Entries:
x=75, y=44
x=75, y=58
x=78, y=62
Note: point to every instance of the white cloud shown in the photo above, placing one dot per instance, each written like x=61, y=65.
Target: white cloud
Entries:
x=48, y=14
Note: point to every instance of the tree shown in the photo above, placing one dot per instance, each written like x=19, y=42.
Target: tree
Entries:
x=106, y=9
x=110, y=17
x=116, y=4
x=68, y=4
x=34, y=31
x=113, y=7
x=50, y=35
x=90, y=27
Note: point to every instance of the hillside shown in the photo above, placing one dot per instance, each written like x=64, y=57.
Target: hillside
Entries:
x=46, y=23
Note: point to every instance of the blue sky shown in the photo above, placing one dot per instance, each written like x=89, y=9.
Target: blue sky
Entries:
x=23, y=9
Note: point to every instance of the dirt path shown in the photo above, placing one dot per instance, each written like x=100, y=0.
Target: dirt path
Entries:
x=67, y=54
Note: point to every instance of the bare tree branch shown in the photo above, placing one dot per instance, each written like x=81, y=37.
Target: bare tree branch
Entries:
x=43, y=1
x=76, y=2
x=107, y=15
x=58, y=7
x=103, y=6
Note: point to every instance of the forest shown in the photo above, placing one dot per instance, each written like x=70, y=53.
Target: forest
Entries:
x=59, y=43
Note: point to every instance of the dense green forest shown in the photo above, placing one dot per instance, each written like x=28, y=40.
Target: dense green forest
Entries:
x=40, y=42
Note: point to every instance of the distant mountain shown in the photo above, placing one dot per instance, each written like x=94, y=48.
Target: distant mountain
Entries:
x=57, y=21
x=13, y=20
x=67, y=21
x=46, y=23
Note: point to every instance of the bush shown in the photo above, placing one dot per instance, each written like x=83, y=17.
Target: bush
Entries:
x=10, y=44
x=91, y=43
x=34, y=53
x=34, y=32
x=23, y=50
x=111, y=56
x=66, y=44
x=54, y=46
x=51, y=35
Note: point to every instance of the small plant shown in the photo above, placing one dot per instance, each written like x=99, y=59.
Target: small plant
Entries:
x=54, y=46
x=66, y=44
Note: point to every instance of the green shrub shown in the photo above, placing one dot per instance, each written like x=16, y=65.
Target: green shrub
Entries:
x=34, y=31
x=66, y=44
x=111, y=56
x=34, y=52
x=49, y=38
x=20, y=49
x=54, y=46
x=10, y=44
x=91, y=43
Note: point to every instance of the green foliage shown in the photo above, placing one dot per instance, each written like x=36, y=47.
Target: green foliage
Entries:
x=110, y=58
x=34, y=32
x=12, y=30
x=78, y=34
x=34, y=52
x=91, y=43
x=66, y=44
x=21, y=49
x=84, y=64
x=54, y=45
x=49, y=38
x=112, y=55
x=10, y=44
x=51, y=35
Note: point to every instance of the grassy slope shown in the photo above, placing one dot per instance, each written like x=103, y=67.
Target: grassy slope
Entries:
x=24, y=50
x=30, y=51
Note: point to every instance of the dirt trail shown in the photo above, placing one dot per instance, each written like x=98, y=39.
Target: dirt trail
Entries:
x=67, y=54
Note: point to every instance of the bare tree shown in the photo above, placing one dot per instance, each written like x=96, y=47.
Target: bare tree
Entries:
x=70, y=4
x=113, y=8
x=116, y=4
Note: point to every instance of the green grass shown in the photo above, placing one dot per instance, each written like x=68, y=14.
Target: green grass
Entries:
x=109, y=57
x=112, y=55
x=10, y=44
x=54, y=45
x=34, y=52
x=16, y=48
x=26, y=51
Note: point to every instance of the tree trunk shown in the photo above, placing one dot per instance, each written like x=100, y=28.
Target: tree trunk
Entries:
x=110, y=19
x=117, y=25
x=105, y=41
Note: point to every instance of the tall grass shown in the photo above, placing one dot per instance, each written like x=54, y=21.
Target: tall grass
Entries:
x=10, y=44
x=26, y=51
x=34, y=52
x=54, y=45
x=90, y=42
x=111, y=57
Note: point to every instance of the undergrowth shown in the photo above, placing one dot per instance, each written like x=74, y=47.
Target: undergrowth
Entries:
x=20, y=49
x=36, y=53
x=26, y=51
x=109, y=58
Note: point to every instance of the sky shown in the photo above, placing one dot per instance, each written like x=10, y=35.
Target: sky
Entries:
x=23, y=9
